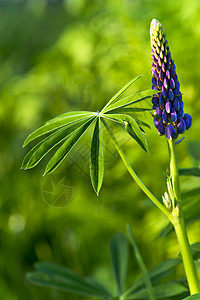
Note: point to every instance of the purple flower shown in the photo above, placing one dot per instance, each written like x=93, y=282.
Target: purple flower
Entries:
x=188, y=120
x=181, y=126
x=159, y=111
x=161, y=75
x=164, y=94
x=155, y=100
x=170, y=132
x=165, y=83
x=160, y=127
x=171, y=95
x=172, y=83
x=161, y=101
x=155, y=120
x=168, y=106
x=175, y=104
x=168, y=74
x=173, y=115
x=154, y=81
x=180, y=113
x=165, y=116
x=169, y=117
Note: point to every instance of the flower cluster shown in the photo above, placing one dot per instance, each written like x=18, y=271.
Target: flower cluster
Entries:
x=169, y=118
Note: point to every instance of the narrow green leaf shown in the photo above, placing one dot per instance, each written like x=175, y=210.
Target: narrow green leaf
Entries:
x=190, y=171
x=119, y=259
x=195, y=250
x=129, y=129
x=55, y=269
x=132, y=128
x=147, y=280
x=97, y=160
x=64, y=150
x=30, y=153
x=53, y=140
x=161, y=291
x=191, y=193
x=163, y=269
x=135, y=98
x=142, y=123
x=129, y=110
x=71, y=114
x=193, y=297
x=55, y=276
x=156, y=274
x=55, y=124
x=120, y=92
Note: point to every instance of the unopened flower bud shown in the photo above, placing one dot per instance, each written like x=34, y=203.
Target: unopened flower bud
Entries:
x=188, y=120
x=167, y=201
x=170, y=132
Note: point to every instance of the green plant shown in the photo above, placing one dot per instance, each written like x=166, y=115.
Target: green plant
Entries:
x=53, y=275
x=170, y=120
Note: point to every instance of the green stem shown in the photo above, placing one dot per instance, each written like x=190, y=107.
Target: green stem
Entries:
x=174, y=172
x=188, y=261
x=179, y=225
x=135, y=177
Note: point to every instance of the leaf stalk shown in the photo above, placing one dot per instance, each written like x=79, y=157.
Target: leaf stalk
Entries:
x=134, y=175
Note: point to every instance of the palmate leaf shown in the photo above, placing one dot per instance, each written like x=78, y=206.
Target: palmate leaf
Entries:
x=132, y=128
x=59, y=277
x=119, y=259
x=97, y=160
x=43, y=147
x=67, y=129
x=64, y=150
x=56, y=123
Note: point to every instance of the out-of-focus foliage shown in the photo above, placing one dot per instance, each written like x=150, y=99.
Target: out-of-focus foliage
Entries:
x=56, y=276
x=59, y=56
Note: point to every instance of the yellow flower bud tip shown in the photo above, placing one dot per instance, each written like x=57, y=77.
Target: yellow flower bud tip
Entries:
x=155, y=28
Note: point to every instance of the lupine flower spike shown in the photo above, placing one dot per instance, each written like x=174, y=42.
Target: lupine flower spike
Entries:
x=169, y=116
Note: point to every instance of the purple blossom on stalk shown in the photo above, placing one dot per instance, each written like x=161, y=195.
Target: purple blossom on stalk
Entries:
x=169, y=117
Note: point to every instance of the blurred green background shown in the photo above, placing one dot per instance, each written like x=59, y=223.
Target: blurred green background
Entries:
x=59, y=56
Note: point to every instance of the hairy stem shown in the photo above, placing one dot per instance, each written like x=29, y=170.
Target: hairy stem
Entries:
x=179, y=224
x=134, y=175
